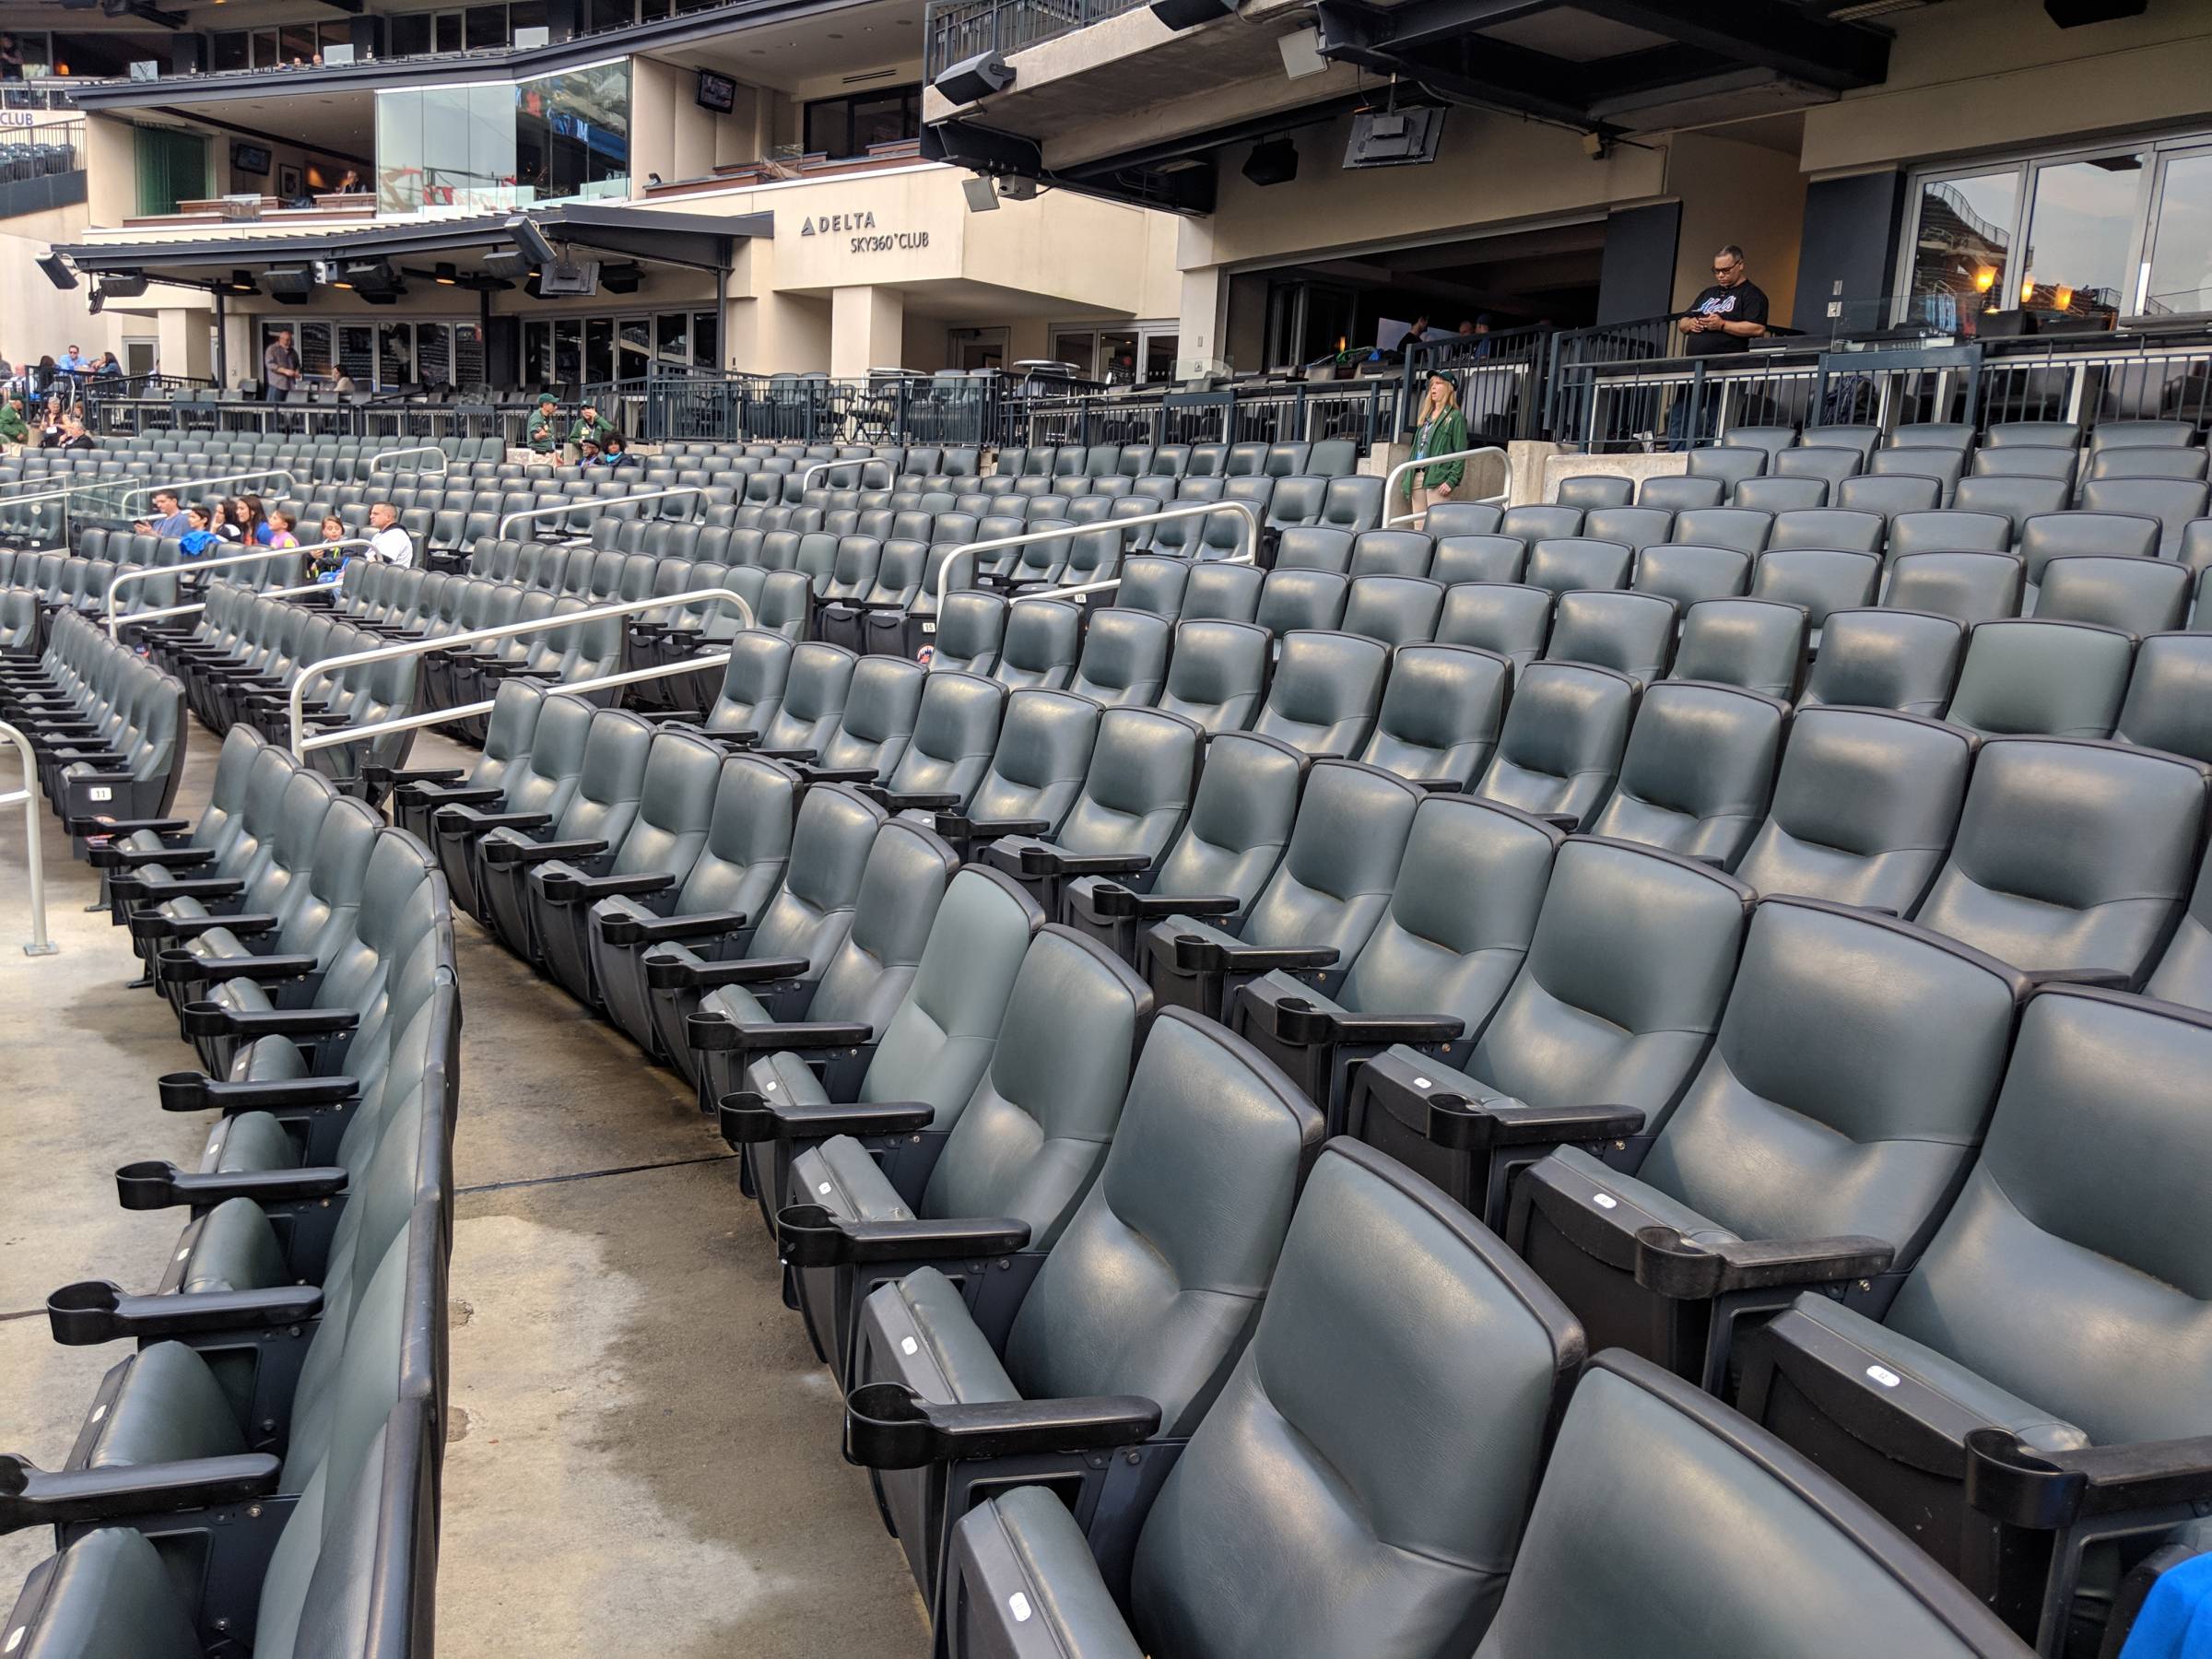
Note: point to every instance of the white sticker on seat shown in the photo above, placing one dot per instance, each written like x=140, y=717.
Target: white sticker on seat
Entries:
x=908, y=1347
x=1604, y=1201
x=15, y=1639
x=1423, y=1083
x=1018, y=1604
x=1883, y=1375
x=823, y=1189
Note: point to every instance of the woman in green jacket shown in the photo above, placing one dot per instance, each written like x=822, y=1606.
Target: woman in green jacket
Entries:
x=1442, y=431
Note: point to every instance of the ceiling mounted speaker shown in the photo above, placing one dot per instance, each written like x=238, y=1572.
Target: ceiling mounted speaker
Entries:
x=119, y=284
x=1187, y=14
x=1274, y=162
x=2075, y=14
x=57, y=270
x=294, y=282
x=625, y=278
x=973, y=78
x=983, y=196
x=510, y=265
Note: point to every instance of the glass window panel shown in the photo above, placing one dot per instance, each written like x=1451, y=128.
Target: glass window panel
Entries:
x=335, y=34
x=434, y=353
x=410, y=34
x=611, y=13
x=357, y=353
x=2081, y=235
x=882, y=118
x=314, y=345
x=634, y=337
x=1963, y=248
x=490, y=145
x=265, y=49
x=537, y=353
x=706, y=347
x=672, y=338
x=526, y=13
x=599, y=350
x=828, y=128
x=650, y=11
x=1117, y=357
x=447, y=179
x=1074, y=348
x=567, y=349
x=445, y=35
x=228, y=51
x=469, y=355
x=484, y=26
x=573, y=133
x=2181, y=248
x=1160, y=357
x=395, y=355
x=299, y=43
x=399, y=151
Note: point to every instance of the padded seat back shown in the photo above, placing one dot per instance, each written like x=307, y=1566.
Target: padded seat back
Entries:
x=1125, y=658
x=1510, y=618
x=1697, y=771
x=1886, y=659
x=1755, y=643
x=2058, y=679
x=1560, y=746
x=1342, y=861
x=1043, y=753
x=753, y=681
x=1629, y=633
x=1241, y=819
x=881, y=706
x=741, y=862
x=1215, y=674
x=1138, y=785
x=817, y=684
x=1440, y=713
x=956, y=728
x=1040, y=646
x=904, y=881
x=1326, y=690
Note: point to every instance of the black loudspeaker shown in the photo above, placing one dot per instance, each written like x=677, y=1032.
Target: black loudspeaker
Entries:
x=578, y=279
x=512, y=266
x=294, y=283
x=2074, y=13
x=2004, y=324
x=1273, y=161
x=57, y=270
x=1185, y=14
x=118, y=286
x=975, y=78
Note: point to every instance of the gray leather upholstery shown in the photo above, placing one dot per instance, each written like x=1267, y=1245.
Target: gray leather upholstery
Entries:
x=1561, y=745
x=1533, y=524
x=1125, y=658
x=2070, y=854
x=1389, y=553
x=1595, y=489
x=815, y=685
x=1044, y=751
x=2169, y=701
x=1886, y=659
x=1864, y=809
x=1822, y=580
x=2135, y=596
x=1230, y=592
x=1217, y=673
x=1697, y=771
x=1937, y=532
x=956, y=729
x=1680, y=493
x=1565, y=563
x=1442, y=711
x=1137, y=788
x=1634, y=527
x=882, y=707
x=1397, y=610
x=1970, y=588
x=970, y=628
x=1459, y=559
x=1687, y=574
x=1302, y=599
x=1462, y=518
x=1634, y=1546
x=1510, y=618
x=1326, y=689
x=2057, y=680
x=544, y=783
x=608, y=788
x=1040, y=646
x=1831, y=528
x=1755, y=643
x=1742, y=528
x=2184, y=971
x=1314, y=1515
x=1629, y=633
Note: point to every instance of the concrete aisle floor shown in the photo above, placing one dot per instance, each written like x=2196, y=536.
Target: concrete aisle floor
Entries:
x=642, y=1454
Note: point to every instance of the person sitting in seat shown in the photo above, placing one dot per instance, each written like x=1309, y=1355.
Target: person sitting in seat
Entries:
x=591, y=427
x=543, y=435
x=615, y=452
x=587, y=453
x=198, y=541
x=14, y=429
x=279, y=530
x=74, y=436
x=387, y=541
x=169, y=517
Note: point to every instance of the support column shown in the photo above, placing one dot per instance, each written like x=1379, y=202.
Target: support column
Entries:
x=867, y=330
x=184, y=341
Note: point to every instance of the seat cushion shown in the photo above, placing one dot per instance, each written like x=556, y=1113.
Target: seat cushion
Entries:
x=2038, y=1429
x=841, y=1177
x=920, y=1333
x=236, y=1250
x=1058, y=1574
x=251, y=1140
x=735, y=1003
x=170, y=1406
x=109, y=1593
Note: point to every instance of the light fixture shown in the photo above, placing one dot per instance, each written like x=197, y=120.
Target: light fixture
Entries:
x=1985, y=278
x=2063, y=300
x=2027, y=288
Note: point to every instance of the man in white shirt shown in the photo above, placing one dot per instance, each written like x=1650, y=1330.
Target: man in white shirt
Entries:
x=387, y=541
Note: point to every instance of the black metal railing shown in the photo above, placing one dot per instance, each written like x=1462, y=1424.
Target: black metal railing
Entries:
x=1500, y=378
x=955, y=30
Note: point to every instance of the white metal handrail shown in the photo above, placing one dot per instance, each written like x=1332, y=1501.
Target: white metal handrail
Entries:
x=290, y=479
x=1389, y=483
x=147, y=573
x=444, y=461
x=573, y=504
x=505, y=630
x=162, y=613
x=414, y=723
x=1116, y=526
x=28, y=794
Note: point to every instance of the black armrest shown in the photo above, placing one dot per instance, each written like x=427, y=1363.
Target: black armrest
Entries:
x=1053, y=861
x=637, y=930
x=816, y=1238
x=2050, y=1489
x=793, y=755
x=2107, y=979
x=149, y=926
x=1670, y=1265
x=395, y=775
x=560, y=886
x=441, y=796
x=889, y=1427
x=125, y=858
x=911, y=801
x=201, y=887
x=713, y=1032
x=1293, y=1019
x=96, y=1311
x=1449, y=1119
x=499, y=853
x=196, y=1091
x=156, y=1184
x=457, y=822
x=747, y=1117
x=1114, y=901
x=212, y=1019
x=835, y=774
x=169, y=826
x=30, y=1496
x=1437, y=785
x=747, y=971
x=1195, y=955
x=184, y=964
x=1569, y=821
x=954, y=827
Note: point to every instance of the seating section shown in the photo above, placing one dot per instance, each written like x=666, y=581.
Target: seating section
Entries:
x=1369, y=1087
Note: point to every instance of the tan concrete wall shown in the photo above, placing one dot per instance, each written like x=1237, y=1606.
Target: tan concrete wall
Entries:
x=1740, y=193
x=867, y=330
x=36, y=318
x=1981, y=73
